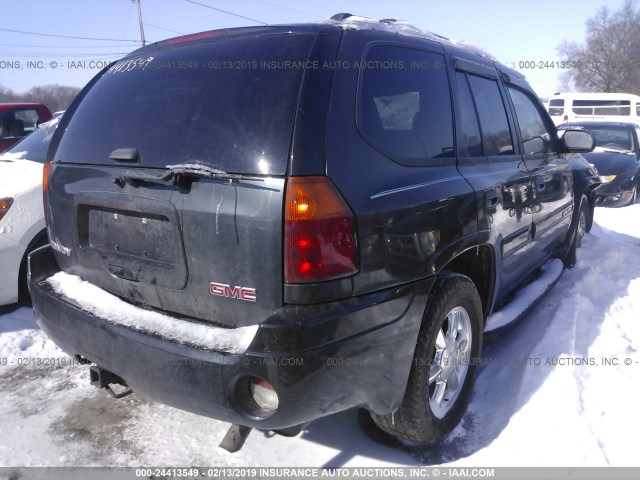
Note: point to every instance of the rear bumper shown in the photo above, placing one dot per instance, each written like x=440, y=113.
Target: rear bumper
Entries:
x=321, y=359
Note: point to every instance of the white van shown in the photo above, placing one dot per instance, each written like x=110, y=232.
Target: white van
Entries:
x=607, y=107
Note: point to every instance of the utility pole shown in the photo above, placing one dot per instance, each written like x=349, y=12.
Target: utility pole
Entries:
x=140, y=22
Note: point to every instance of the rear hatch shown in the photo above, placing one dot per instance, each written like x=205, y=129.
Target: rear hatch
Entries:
x=203, y=238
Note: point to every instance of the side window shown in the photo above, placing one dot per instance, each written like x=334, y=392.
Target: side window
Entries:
x=17, y=123
x=471, y=139
x=536, y=135
x=496, y=135
x=404, y=105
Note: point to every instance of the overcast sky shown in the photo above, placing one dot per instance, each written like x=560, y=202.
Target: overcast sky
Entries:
x=513, y=32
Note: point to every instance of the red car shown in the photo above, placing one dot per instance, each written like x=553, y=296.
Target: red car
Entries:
x=20, y=119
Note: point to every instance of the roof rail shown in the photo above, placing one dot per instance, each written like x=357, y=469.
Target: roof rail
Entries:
x=341, y=16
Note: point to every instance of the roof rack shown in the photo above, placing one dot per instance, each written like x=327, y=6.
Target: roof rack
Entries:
x=402, y=27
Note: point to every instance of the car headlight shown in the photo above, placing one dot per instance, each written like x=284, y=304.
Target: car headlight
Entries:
x=5, y=205
x=607, y=178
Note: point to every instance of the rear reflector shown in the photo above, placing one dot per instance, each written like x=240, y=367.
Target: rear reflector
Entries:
x=320, y=239
x=264, y=394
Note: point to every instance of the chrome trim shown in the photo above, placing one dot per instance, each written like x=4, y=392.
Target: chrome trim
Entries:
x=412, y=187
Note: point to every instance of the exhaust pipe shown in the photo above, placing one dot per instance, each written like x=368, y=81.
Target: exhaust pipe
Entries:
x=102, y=378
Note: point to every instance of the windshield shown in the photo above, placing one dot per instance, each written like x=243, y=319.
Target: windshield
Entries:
x=612, y=138
x=34, y=146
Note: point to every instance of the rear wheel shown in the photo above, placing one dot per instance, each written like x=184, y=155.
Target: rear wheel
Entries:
x=444, y=364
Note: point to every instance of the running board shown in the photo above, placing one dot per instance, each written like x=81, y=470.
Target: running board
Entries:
x=526, y=298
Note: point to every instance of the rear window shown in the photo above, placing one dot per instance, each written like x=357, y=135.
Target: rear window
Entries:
x=229, y=104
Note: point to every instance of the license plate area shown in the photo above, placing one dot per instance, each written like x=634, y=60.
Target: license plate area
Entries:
x=132, y=238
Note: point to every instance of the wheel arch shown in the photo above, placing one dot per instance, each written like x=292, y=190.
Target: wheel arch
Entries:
x=479, y=265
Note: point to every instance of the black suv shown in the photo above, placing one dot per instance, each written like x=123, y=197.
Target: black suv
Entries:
x=269, y=225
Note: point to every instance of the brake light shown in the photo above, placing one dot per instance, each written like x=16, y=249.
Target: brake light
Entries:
x=46, y=171
x=320, y=238
x=193, y=37
x=5, y=205
x=566, y=118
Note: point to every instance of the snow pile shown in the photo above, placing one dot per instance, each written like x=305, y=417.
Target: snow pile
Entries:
x=114, y=310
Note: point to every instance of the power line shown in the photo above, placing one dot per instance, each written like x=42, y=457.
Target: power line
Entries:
x=58, y=55
x=228, y=13
x=67, y=36
x=162, y=28
x=59, y=46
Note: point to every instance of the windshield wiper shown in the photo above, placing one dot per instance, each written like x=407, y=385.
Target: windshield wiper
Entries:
x=182, y=170
x=198, y=170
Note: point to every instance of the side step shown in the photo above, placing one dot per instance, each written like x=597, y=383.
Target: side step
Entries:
x=526, y=298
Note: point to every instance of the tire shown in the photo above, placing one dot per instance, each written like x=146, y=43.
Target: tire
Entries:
x=576, y=234
x=432, y=408
x=582, y=221
x=590, y=213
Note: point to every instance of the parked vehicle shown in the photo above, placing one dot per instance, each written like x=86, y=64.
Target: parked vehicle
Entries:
x=617, y=159
x=312, y=231
x=20, y=119
x=594, y=107
x=22, y=225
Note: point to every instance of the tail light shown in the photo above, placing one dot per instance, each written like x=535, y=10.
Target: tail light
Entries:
x=5, y=205
x=320, y=239
x=566, y=118
x=46, y=171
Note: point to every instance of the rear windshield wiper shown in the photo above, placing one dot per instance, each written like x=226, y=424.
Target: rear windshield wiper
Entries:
x=182, y=170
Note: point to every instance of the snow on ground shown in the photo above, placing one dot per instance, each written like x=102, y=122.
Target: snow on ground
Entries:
x=555, y=389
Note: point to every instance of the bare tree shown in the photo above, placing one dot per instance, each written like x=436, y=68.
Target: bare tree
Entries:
x=56, y=97
x=609, y=61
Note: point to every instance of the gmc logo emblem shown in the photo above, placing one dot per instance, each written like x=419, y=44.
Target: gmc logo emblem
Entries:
x=239, y=293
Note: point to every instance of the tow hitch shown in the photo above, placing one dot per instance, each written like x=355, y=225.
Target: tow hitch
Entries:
x=102, y=378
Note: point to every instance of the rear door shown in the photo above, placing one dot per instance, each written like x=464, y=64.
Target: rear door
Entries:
x=489, y=161
x=203, y=246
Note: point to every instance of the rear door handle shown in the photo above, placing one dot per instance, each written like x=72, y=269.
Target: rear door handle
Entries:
x=492, y=198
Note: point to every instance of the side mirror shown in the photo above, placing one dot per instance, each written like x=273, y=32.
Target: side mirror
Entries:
x=575, y=141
